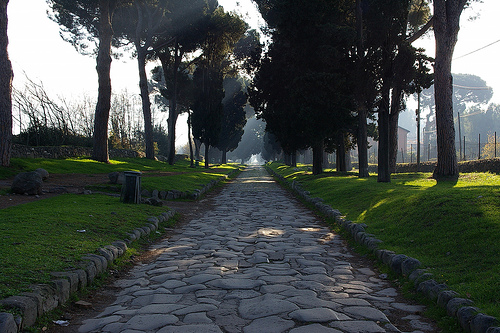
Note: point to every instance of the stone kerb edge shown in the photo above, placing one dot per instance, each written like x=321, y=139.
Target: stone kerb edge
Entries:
x=471, y=321
x=195, y=194
x=47, y=297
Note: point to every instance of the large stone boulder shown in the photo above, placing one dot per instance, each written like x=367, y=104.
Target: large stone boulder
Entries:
x=27, y=183
x=43, y=173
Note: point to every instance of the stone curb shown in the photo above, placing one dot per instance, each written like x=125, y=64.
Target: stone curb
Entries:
x=194, y=195
x=470, y=318
x=46, y=297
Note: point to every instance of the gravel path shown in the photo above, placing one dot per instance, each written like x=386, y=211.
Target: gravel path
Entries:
x=258, y=262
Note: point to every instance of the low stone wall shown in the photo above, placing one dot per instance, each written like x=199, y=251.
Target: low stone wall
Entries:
x=21, y=151
x=46, y=297
x=485, y=165
x=468, y=316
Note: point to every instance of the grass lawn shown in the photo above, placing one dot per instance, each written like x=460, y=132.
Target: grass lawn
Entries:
x=45, y=236
x=452, y=227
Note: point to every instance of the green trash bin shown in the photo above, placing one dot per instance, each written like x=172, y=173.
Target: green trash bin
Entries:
x=131, y=188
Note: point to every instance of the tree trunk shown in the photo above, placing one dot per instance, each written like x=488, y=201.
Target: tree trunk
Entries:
x=326, y=164
x=362, y=143
x=393, y=128
x=6, y=76
x=207, y=149
x=384, y=174
x=223, y=159
x=189, y=140
x=446, y=27
x=146, y=104
x=393, y=141
x=288, y=159
x=293, y=161
x=172, y=112
x=318, y=151
x=341, y=161
x=362, y=111
x=101, y=118
x=197, y=147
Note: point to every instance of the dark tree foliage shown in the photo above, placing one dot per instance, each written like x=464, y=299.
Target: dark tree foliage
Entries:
x=271, y=148
x=221, y=34
x=233, y=118
x=6, y=76
x=301, y=90
x=398, y=68
x=207, y=108
x=185, y=35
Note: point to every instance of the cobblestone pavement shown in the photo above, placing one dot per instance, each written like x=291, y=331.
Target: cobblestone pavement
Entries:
x=258, y=262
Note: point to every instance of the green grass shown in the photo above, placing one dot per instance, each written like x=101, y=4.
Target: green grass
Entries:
x=188, y=181
x=453, y=228
x=87, y=166
x=41, y=237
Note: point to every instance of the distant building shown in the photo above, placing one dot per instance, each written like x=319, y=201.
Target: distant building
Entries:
x=402, y=141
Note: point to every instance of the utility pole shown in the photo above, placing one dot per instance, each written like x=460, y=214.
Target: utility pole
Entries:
x=418, y=131
x=459, y=136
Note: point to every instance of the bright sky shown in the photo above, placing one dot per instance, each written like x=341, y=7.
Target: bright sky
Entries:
x=36, y=48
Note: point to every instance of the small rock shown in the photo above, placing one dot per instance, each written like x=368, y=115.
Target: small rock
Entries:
x=83, y=304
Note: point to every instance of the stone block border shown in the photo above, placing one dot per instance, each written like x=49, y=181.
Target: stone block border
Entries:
x=196, y=194
x=469, y=317
x=43, y=298
x=46, y=297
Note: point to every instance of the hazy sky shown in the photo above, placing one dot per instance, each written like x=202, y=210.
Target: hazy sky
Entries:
x=36, y=48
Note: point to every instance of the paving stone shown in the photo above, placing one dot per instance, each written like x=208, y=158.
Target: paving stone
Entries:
x=271, y=324
x=242, y=294
x=232, y=283
x=205, y=328
x=197, y=318
x=366, y=312
x=255, y=262
x=171, y=284
x=150, y=322
x=264, y=306
x=189, y=289
x=313, y=302
x=314, y=328
x=201, y=278
x=361, y=326
x=159, y=308
x=315, y=315
x=91, y=325
x=194, y=308
x=408, y=308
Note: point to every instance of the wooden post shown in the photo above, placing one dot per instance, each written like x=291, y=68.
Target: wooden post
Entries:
x=479, y=147
x=464, y=148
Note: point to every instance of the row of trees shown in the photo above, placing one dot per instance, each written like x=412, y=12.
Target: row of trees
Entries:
x=334, y=64
x=197, y=43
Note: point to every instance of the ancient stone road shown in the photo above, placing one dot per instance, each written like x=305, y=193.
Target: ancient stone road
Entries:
x=258, y=262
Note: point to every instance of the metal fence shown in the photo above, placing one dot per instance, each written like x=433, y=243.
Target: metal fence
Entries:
x=480, y=147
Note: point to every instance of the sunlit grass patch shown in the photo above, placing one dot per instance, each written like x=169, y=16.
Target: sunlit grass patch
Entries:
x=52, y=234
x=452, y=227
